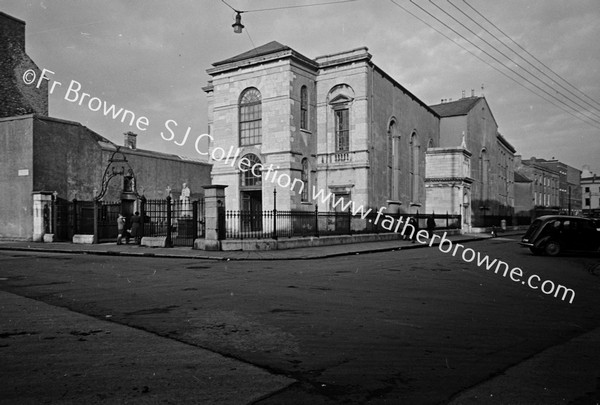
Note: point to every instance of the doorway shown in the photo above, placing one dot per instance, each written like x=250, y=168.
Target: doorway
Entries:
x=252, y=210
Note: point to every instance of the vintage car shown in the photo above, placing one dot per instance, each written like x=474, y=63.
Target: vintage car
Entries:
x=555, y=234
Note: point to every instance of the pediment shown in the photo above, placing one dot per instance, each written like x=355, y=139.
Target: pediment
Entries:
x=341, y=99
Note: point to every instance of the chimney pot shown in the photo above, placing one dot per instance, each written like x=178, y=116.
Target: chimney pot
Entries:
x=129, y=140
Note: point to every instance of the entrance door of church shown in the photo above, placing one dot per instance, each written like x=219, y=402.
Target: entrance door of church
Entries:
x=342, y=219
x=252, y=210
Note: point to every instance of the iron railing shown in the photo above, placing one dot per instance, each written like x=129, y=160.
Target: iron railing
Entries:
x=275, y=224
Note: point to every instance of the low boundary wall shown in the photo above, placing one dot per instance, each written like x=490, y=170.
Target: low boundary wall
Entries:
x=312, y=241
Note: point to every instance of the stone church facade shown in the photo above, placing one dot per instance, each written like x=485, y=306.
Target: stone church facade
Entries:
x=487, y=179
x=337, y=124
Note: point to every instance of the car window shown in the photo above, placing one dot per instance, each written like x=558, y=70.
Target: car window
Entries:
x=587, y=226
x=532, y=228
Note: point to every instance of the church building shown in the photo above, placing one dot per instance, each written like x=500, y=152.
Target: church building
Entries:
x=333, y=124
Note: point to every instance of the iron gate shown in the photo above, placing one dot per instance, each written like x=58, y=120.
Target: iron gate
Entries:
x=181, y=222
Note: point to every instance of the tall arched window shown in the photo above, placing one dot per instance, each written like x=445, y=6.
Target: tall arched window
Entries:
x=305, y=180
x=251, y=172
x=414, y=167
x=484, y=167
x=342, y=130
x=340, y=100
x=250, y=117
x=304, y=108
x=393, y=171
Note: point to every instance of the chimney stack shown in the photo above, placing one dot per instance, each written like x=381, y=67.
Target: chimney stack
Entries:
x=472, y=92
x=129, y=140
x=463, y=94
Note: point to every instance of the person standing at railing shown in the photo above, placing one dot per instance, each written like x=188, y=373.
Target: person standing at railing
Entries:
x=136, y=223
x=430, y=225
x=415, y=223
x=121, y=230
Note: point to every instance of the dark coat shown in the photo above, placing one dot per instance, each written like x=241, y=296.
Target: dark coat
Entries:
x=136, y=223
x=430, y=224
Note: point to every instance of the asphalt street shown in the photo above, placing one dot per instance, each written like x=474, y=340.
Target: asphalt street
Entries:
x=412, y=326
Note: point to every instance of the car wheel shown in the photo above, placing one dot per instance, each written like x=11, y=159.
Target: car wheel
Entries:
x=536, y=251
x=552, y=248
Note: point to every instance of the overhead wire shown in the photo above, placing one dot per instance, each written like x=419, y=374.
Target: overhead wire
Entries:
x=288, y=7
x=529, y=53
x=503, y=65
x=300, y=6
x=487, y=63
x=584, y=117
x=280, y=8
x=517, y=64
x=507, y=57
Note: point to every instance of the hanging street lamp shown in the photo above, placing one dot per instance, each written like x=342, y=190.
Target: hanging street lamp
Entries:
x=238, y=26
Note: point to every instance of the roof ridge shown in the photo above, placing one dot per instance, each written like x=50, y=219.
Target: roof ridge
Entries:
x=269, y=47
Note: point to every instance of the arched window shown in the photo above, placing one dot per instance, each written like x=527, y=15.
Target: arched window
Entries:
x=414, y=167
x=393, y=162
x=250, y=117
x=342, y=130
x=484, y=167
x=340, y=100
x=305, y=180
x=304, y=108
x=252, y=171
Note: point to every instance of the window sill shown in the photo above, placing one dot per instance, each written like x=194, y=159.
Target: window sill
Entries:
x=306, y=131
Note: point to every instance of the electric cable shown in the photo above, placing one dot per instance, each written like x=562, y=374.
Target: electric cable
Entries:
x=489, y=64
x=505, y=66
x=513, y=61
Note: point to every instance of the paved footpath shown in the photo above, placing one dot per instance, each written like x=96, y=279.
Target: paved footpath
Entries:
x=288, y=254
x=563, y=374
x=53, y=355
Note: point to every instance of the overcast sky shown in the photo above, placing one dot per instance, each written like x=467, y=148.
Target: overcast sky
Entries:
x=151, y=57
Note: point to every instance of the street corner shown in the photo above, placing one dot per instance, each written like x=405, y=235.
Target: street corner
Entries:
x=53, y=354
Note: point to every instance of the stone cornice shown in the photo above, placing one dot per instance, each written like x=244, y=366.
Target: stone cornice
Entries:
x=468, y=180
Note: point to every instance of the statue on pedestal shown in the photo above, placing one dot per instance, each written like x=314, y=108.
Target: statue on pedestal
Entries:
x=185, y=200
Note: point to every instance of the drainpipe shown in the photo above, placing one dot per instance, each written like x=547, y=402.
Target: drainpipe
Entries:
x=370, y=194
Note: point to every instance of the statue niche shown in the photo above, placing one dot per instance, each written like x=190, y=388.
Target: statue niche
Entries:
x=129, y=182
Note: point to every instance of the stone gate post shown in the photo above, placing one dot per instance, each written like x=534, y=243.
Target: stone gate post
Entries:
x=42, y=215
x=214, y=207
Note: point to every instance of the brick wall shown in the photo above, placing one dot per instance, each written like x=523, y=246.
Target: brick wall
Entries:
x=17, y=98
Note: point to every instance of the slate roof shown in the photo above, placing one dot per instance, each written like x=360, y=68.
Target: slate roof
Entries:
x=109, y=145
x=454, y=108
x=519, y=178
x=271, y=47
